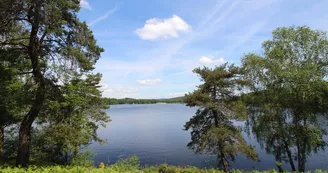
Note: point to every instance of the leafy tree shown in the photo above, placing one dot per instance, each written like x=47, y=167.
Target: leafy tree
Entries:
x=55, y=42
x=290, y=87
x=212, y=130
x=73, y=121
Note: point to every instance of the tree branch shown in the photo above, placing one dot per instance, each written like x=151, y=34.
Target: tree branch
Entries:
x=28, y=72
x=13, y=44
x=42, y=37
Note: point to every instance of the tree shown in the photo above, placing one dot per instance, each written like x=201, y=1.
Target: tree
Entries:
x=218, y=101
x=290, y=79
x=72, y=119
x=57, y=43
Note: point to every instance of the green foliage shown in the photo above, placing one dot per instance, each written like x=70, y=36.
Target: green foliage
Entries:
x=164, y=168
x=113, y=101
x=70, y=121
x=53, y=44
x=84, y=159
x=289, y=93
x=212, y=130
x=10, y=145
x=172, y=100
x=126, y=165
x=12, y=89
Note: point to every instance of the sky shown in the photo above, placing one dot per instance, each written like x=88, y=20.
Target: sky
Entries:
x=152, y=46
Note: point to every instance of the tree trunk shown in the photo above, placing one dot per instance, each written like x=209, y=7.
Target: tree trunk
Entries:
x=301, y=157
x=33, y=52
x=289, y=154
x=225, y=163
x=26, y=125
x=278, y=160
x=24, y=144
x=303, y=145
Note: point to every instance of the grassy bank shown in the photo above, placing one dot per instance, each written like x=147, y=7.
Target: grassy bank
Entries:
x=128, y=165
x=117, y=169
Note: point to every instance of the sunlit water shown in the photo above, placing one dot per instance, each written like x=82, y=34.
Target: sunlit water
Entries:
x=154, y=134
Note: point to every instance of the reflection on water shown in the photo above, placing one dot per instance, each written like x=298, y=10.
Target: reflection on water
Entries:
x=154, y=133
x=289, y=136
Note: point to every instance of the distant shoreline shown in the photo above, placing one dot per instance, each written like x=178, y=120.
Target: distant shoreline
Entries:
x=145, y=103
x=114, y=101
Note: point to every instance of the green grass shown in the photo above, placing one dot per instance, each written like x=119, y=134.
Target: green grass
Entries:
x=129, y=165
x=117, y=169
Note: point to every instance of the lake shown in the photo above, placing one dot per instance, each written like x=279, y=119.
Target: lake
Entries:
x=153, y=132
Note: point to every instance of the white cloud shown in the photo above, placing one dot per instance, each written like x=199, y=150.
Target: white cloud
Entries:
x=149, y=81
x=215, y=24
x=103, y=17
x=119, y=92
x=85, y=4
x=210, y=60
x=156, y=28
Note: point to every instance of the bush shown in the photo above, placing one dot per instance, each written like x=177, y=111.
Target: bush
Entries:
x=84, y=159
x=126, y=165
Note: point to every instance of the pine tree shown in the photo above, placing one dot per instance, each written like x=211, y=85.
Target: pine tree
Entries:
x=212, y=129
x=54, y=42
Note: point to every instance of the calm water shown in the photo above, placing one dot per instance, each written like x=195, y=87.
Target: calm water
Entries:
x=154, y=133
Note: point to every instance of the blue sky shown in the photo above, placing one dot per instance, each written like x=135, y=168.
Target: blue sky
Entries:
x=151, y=46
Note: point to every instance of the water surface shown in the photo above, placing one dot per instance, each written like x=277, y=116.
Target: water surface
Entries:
x=153, y=132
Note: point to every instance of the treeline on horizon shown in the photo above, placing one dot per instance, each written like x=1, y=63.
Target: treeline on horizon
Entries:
x=115, y=101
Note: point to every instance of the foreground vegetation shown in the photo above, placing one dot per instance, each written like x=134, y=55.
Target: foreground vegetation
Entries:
x=129, y=165
x=116, y=169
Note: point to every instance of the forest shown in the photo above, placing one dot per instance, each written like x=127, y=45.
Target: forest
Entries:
x=51, y=104
x=113, y=101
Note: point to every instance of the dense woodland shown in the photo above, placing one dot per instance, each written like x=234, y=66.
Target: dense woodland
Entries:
x=114, y=101
x=51, y=104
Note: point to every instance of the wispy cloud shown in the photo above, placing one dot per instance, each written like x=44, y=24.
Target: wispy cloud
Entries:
x=225, y=29
x=156, y=28
x=119, y=91
x=226, y=14
x=85, y=4
x=210, y=23
x=149, y=81
x=211, y=60
x=103, y=17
